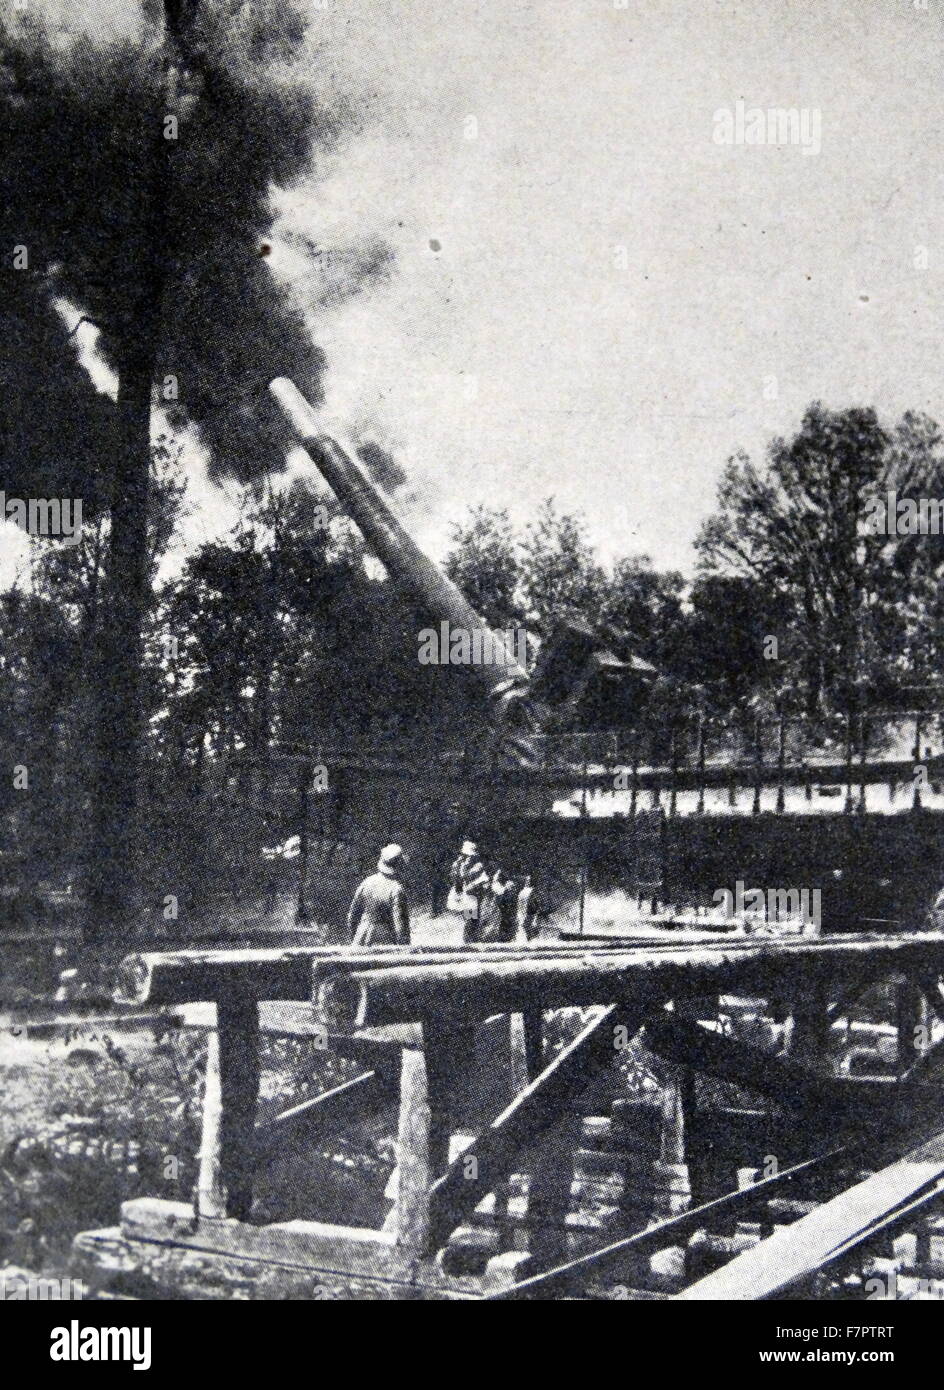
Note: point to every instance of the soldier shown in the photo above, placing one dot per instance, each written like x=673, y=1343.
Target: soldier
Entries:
x=533, y=909
x=470, y=883
x=379, y=914
x=504, y=926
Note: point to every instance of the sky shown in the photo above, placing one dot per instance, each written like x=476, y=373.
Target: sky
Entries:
x=592, y=297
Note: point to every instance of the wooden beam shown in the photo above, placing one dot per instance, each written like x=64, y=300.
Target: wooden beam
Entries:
x=480, y=988
x=409, y=1219
x=782, y=1079
x=238, y=1029
x=797, y=1252
x=525, y=1120
x=597, y=1264
x=810, y=1030
x=533, y=1021
x=550, y=1180
x=210, y=1198
x=449, y=1048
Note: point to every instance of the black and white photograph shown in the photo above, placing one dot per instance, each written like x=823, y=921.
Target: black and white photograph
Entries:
x=472, y=663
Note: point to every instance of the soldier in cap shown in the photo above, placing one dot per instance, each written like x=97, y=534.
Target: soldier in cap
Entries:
x=379, y=914
x=470, y=884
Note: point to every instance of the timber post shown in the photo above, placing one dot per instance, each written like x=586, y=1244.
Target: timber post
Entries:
x=414, y=1177
x=237, y=1016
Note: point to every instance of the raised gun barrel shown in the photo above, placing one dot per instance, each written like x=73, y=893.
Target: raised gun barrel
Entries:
x=425, y=585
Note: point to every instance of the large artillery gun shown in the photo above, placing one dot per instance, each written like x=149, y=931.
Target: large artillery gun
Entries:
x=521, y=703
x=641, y=806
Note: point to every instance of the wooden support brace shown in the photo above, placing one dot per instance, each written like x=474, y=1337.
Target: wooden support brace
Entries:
x=822, y=1099
x=529, y=1116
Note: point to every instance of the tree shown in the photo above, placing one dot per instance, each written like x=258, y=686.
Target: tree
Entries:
x=852, y=602
x=559, y=573
x=484, y=563
x=136, y=173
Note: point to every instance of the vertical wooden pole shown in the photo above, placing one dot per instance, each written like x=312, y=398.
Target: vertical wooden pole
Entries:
x=549, y=1188
x=701, y=763
x=533, y=1020
x=781, y=762
x=518, y=1061
x=238, y=1029
x=810, y=1031
x=210, y=1199
x=678, y=1098
x=410, y=1216
x=449, y=1047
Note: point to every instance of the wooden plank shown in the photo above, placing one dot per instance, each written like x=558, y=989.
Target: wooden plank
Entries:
x=525, y=1120
x=796, y=1252
x=309, y=1244
x=598, y=1264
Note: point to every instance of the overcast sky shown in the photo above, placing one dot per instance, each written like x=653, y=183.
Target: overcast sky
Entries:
x=593, y=298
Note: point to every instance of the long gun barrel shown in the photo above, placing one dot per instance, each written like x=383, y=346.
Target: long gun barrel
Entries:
x=423, y=583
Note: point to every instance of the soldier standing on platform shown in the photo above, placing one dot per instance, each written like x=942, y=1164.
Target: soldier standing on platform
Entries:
x=469, y=883
x=379, y=914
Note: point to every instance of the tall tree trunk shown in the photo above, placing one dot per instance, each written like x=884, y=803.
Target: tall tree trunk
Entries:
x=114, y=889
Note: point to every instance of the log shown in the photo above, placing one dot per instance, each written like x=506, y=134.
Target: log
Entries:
x=480, y=988
x=194, y=976
x=183, y=977
x=822, y=1099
